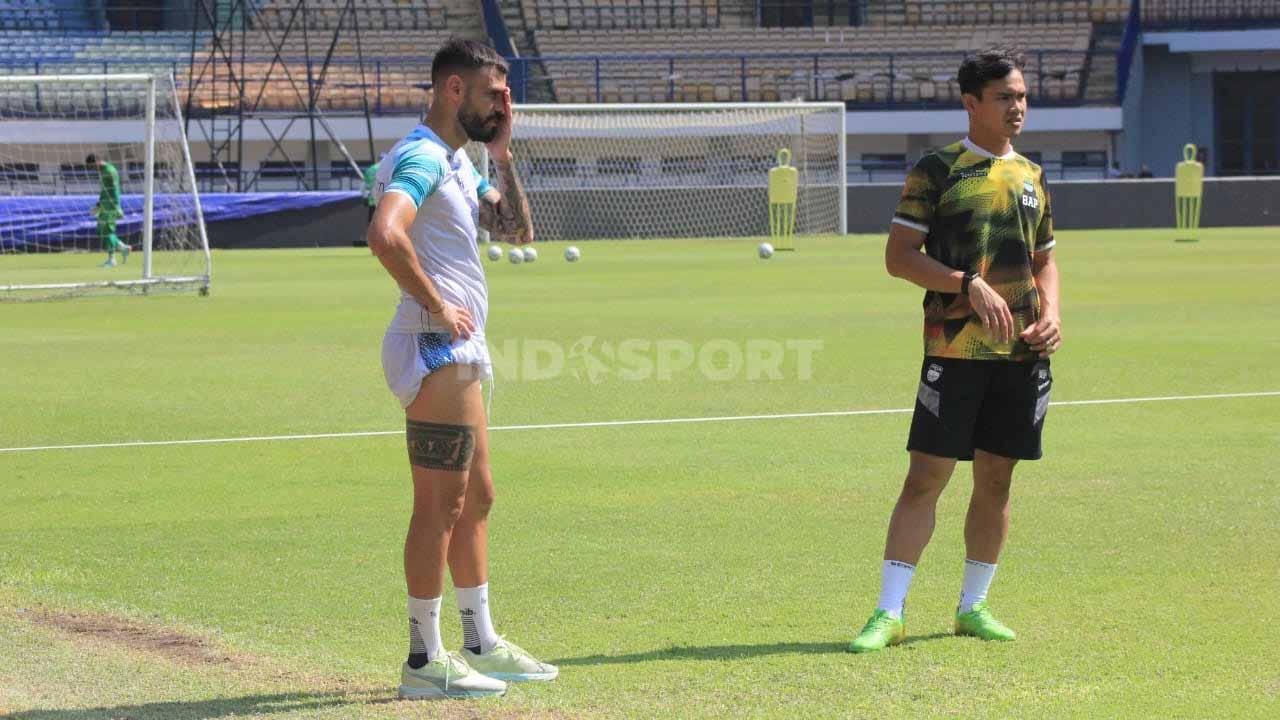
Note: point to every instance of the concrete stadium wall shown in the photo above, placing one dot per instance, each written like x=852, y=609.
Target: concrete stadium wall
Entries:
x=1228, y=202
x=333, y=225
x=1077, y=205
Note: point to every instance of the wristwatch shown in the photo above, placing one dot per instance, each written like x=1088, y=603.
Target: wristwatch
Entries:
x=964, y=284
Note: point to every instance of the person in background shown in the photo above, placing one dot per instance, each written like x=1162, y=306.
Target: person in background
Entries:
x=370, y=199
x=108, y=210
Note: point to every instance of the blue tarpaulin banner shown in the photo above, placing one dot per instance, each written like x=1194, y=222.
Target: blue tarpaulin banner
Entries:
x=56, y=221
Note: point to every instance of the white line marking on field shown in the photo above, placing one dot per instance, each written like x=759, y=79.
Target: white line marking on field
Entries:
x=615, y=423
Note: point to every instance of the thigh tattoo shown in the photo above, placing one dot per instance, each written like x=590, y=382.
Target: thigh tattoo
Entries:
x=440, y=447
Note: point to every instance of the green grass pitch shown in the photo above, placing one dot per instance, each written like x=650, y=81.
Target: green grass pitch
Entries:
x=713, y=569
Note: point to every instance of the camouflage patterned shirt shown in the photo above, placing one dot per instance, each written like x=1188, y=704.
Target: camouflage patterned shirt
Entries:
x=985, y=214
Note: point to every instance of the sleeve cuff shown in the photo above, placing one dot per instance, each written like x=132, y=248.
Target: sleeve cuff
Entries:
x=914, y=226
x=1046, y=246
x=405, y=193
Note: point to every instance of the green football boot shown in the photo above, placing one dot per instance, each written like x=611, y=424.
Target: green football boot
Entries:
x=880, y=631
x=980, y=623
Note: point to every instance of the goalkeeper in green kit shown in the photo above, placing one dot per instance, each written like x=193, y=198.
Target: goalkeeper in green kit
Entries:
x=108, y=210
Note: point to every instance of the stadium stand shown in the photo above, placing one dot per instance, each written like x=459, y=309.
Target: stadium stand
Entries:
x=161, y=47
x=21, y=47
x=869, y=53
x=1002, y=12
x=397, y=40
x=398, y=15
x=897, y=13
x=616, y=14
x=397, y=37
x=859, y=64
x=29, y=15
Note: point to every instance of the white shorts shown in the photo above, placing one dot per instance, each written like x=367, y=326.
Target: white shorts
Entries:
x=407, y=358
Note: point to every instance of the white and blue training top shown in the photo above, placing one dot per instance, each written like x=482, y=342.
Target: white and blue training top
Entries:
x=446, y=189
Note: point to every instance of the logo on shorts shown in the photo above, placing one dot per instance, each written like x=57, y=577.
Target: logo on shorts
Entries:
x=1044, y=373
x=935, y=372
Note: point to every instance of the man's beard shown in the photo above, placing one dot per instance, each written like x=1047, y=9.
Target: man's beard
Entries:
x=478, y=128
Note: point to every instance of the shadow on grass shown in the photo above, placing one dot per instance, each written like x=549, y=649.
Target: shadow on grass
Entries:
x=709, y=652
x=261, y=705
x=926, y=638
x=728, y=652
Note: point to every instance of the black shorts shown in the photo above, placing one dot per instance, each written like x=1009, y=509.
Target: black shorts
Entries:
x=990, y=405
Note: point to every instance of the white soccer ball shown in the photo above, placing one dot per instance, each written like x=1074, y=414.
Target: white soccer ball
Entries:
x=515, y=256
x=571, y=254
x=530, y=254
x=495, y=252
x=765, y=251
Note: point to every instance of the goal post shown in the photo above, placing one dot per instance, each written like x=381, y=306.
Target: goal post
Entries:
x=673, y=170
x=53, y=234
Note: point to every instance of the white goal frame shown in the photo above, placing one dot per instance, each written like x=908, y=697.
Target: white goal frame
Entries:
x=155, y=85
x=622, y=108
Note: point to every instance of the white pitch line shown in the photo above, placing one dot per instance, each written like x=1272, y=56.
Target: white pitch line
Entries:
x=1166, y=398
x=616, y=423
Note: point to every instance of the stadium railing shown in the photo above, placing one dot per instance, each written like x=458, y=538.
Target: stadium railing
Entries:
x=278, y=179
x=300, y=178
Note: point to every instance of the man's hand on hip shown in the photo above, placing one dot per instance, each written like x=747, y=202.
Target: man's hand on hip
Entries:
x=456, y=320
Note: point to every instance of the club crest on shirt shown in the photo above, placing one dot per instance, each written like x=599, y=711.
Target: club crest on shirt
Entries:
x=1029, y=197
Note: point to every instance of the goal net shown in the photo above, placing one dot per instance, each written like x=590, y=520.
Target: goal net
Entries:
x=54, y=231
x=677, y=170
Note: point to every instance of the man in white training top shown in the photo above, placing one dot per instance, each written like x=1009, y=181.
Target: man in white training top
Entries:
x=431, y=199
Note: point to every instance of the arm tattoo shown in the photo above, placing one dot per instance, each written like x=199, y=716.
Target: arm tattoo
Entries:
x=508, y=218
x=440, y=447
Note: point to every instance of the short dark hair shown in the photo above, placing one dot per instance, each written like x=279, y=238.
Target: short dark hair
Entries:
x=994, y=63
x=459, y=54
x=90, y=159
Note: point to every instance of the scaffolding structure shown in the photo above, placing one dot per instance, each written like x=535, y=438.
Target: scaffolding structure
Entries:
x=226, y=86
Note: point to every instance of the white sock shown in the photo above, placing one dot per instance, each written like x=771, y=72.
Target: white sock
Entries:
x=977, y=579
x=477, y=627
x=424, y=627
x=895, y=580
